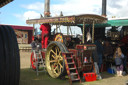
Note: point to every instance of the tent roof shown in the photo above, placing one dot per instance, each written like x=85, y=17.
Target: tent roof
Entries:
x=121, y=22
x=4, y=2
x=118, y=22
x=69, y=20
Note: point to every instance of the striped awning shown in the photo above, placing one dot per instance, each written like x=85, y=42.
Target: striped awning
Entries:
x=4, y=2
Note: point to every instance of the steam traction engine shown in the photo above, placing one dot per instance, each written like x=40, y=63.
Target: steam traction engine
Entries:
x=66, y=53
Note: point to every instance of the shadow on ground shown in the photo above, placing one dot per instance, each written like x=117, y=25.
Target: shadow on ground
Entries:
x=29, y=77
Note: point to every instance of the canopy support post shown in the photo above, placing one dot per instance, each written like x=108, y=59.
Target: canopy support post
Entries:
x=93, y=32
x=59, y=28
x=67, y=30
x=83, y=31
x=70, y=30
x=33, y=29
x=56, y=29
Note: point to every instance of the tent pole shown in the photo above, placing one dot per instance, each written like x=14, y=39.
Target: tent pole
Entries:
x=83, y=31
x=33, y=29
x=93, y=32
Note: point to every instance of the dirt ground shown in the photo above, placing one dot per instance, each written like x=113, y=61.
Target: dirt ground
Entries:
x=28, y=76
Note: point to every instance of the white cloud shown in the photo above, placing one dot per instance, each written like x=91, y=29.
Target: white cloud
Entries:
x=34, y=6
x=28, y=15
x=69, y=7
x=31, y=15
x=72, y=7
x=116, y=8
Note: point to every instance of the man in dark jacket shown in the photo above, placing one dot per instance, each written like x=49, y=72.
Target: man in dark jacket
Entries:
x=99, y=51
x=96, y=61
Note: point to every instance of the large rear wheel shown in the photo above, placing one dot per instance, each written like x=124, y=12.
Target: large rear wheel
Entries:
x=54, y=59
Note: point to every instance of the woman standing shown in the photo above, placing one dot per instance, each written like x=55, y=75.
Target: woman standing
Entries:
x=118, y=55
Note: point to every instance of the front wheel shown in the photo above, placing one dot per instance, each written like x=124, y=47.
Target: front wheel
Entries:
x=54, y=60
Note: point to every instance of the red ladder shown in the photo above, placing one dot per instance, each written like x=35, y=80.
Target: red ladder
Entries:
x=71, y=68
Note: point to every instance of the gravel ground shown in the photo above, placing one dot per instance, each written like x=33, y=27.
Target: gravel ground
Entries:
x=28, y=77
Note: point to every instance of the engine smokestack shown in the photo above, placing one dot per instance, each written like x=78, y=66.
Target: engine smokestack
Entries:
x=104, y=8
x=47, y=8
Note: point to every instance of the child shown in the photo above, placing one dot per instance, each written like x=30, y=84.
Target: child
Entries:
x=118, y=55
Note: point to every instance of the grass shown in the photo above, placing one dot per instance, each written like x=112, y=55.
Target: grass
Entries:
x=29, y=77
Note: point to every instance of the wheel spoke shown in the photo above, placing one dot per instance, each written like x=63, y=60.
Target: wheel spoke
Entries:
x=60, y=53
x=54, y=70
x=60, y=70
x=53, y=65
x=61, y=58
x=56, y=51
x=56, y=67
x=53, y=56
x=60, y=65
x=53, y=52
x=51, y=61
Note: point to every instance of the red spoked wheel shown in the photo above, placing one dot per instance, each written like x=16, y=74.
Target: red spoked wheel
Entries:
x=33, y=61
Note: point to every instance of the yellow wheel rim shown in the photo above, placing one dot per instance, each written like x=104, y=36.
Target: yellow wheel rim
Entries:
x=54, y=61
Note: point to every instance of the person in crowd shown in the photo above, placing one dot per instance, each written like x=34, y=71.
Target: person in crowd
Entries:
x=46, y=30
x=107, y=49
x=124, y=51
x=99, y=46
x=96, y=61
x=118, y=56
x=107, y=52
x=36, y=43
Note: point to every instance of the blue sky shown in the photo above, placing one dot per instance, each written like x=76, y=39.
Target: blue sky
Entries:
x=8, y=12
x=18, y=11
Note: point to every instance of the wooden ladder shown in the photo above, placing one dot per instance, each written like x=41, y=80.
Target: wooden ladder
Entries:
x=71, y=68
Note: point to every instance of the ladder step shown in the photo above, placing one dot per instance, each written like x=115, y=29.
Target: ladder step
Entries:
x=74, y=73
x=87, y=65
x=69, y=53
x=72, y=68
x=76, y=79
x=73, y=76
x=73, y=56
x=69, y=57
x=39, y=62
x=40, y=58
x=71, y=63
x=41, y=71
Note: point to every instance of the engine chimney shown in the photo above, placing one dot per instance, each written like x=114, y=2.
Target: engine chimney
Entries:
x=104, y=8
x=47, y=8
